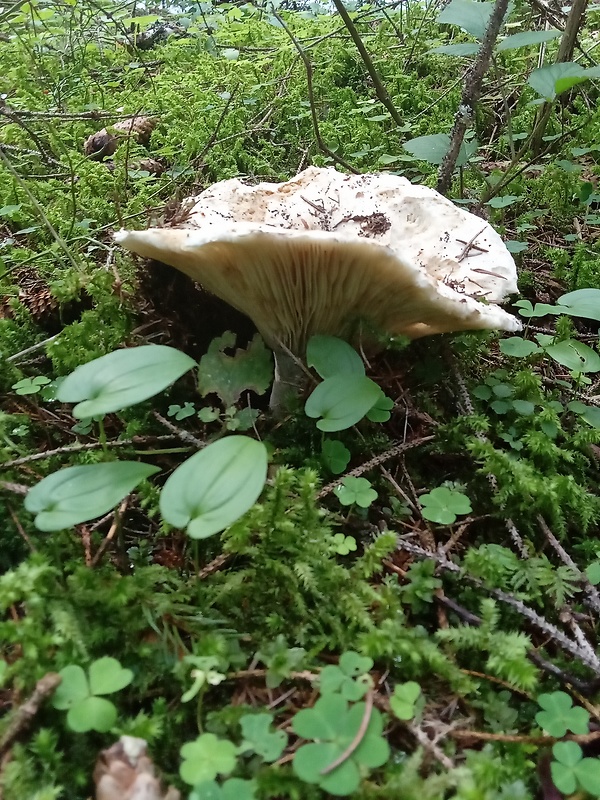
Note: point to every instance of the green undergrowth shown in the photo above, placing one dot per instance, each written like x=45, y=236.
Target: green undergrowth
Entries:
x=414, y=591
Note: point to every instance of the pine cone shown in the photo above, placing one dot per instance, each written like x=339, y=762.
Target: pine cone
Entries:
x=103, y=144
x=35, y=294
x=125, y=772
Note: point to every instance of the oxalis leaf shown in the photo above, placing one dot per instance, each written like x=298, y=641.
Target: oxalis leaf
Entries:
x=336, y=725
x=205, y=758
x=122, y=379
x=442, y=505
x=559, y=715
x=213, y=488
x=78, y=494
x=342, y=401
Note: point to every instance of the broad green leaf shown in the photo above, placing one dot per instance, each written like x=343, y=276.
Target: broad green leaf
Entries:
x=332, y=356
x=471, y=16
x=434, y=147
x=342, y=401
x=518, y=347
x=108, y=676
x=574, y=355
x=229, y=375
x=461, y=50
x=591, y=415
x=582, y=303
x=72, y=689
x=78, y=494
x=552, y=80
x=514, y=246
x=92, y=714
x=216, y=486
x=527, y=38
x=353, y=664
x=122, y=379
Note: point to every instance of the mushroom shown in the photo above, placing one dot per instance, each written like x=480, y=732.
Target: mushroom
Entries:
x=339, y=254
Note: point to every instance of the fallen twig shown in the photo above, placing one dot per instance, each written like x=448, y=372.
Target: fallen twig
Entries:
x=27, y=711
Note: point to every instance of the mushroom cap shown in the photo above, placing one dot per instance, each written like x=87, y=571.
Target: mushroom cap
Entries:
x=325, y=252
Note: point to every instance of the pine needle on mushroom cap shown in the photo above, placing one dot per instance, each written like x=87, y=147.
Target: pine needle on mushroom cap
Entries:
x=325, y=251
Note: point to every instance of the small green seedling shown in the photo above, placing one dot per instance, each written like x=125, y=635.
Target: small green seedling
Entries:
x=571, y=771
x=203, y=675
x=181, y=412
x=404, y=700
x=30, y=385
x=559, y=715
x=343, y=545
x=78, y=694
x=443, y=505
x=280, y=660
x=355, y=491
x=260, y=739
x=350, y=678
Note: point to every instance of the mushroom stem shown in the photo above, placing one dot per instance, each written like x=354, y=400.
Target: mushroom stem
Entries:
x=290, y=377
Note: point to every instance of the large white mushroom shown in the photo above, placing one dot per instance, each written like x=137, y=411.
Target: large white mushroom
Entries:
x=339, y=254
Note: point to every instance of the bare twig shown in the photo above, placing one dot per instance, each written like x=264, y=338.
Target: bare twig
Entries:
x=380, y=89
x=592, y=598
x=311, y=97
x=26, y=712
x=393, y=452
x=111, y=533
x=185, y=436
x=78, y=448
x=470, y=96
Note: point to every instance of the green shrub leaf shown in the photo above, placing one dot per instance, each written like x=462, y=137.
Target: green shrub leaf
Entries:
x=213, y=488
x=342, y=401
x=122, y=379
x=78, y=494
x=331, y=356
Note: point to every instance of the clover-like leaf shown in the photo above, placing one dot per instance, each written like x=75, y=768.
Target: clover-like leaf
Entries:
x=205, y=758
x=335, y=455
x=231, y=789
x=122, y=379
x=268, y=744
x=355, y=490
x=216, y=486
x=403, y=701
x=336, y=725
x=571, y=770
x=73, y=687
x=559, y=715
x=353, y=664
x=229, y=375
x=342, y=545
x=108, y=676
x=92, y=714
x=380, y=411
x=442, y=505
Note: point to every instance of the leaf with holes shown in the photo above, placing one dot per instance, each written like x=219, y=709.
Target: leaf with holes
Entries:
x=229, y=375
